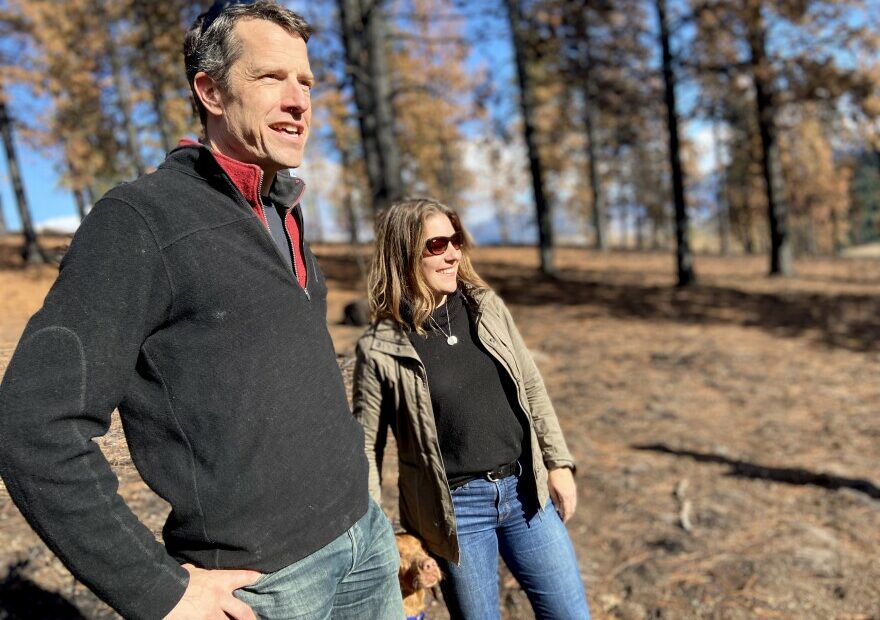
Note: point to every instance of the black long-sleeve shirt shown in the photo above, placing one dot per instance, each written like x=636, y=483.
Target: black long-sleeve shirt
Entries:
x=173, y=305
x=473, y=399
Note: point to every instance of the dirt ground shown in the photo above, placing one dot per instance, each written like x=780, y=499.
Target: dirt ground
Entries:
x=727, y=435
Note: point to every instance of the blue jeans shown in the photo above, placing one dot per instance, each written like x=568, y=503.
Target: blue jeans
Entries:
x=499, y=516
x=351, y=578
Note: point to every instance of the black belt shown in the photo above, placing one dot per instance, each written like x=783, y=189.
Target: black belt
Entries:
x=502, y=471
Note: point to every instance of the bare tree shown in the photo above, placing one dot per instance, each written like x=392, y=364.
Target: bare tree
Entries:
x=522, y=46
x=591, y=124
x=777, y=207
x=31, y=251
x=683, y=256
x=363, y=36
x=3, y=228
x=122, y=87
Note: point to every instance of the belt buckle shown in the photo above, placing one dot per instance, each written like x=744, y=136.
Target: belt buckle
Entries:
x=490, y=476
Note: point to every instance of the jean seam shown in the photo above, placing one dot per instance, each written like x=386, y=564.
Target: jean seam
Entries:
x=354, y=548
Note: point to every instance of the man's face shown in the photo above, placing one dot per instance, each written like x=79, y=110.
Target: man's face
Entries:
x=266, y=110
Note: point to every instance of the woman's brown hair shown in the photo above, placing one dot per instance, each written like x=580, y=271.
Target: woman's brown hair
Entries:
x=396, y=289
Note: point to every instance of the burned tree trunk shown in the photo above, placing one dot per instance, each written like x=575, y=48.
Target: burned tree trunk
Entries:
x=122, y=88
x=31, y=251
x=771, y=167
x=521, y=36
x=591, y=123
x=684, y=257
x=363, y=35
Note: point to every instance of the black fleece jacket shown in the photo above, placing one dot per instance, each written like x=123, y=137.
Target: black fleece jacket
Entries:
x=174, y=305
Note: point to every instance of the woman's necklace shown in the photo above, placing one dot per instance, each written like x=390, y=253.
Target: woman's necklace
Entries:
x=451, y=338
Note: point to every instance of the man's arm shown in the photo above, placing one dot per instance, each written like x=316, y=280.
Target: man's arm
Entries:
x=69, y=372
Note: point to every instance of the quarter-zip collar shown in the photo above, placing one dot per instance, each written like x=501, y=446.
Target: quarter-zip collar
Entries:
x=286, y=190
x=248, y=179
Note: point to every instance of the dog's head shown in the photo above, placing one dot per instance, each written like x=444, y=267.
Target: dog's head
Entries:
x=418, y=570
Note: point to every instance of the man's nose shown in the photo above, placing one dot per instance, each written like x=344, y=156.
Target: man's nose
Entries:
x=296, y=100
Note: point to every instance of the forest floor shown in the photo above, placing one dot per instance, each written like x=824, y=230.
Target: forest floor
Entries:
x=727, y=435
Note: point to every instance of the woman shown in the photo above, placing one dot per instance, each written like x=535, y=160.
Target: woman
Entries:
x=480, y=450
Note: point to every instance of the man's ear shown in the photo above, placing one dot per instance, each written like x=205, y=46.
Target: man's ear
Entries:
x=208, y=91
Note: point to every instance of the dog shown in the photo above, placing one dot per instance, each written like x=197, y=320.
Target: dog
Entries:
x=418, y=573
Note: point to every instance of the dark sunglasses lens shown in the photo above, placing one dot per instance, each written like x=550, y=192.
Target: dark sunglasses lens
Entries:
x=437, y=245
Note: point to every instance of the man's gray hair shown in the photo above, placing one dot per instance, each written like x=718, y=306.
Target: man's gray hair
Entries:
x=215, y=50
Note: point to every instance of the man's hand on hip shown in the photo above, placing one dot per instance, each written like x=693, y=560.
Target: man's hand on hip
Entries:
x=208, y=596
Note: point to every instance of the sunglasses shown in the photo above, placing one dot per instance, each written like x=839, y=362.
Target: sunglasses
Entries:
x=217, y=8
x=438, y=245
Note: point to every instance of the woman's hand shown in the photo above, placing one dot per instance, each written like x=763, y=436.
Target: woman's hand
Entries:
x=560, y=481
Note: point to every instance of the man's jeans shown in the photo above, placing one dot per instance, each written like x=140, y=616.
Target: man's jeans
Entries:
x=496, y=516
x=354, y=577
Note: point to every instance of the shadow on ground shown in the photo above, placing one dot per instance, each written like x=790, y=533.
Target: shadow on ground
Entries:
x=787, y=475
x=840, y=320
x=21, y=599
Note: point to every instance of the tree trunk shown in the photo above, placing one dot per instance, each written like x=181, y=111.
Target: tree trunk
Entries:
x=683, y=256
x=591, y=122
x=771, y=168
x=78, y=195
x=836, y=243
x=542, y=206
x=640, y=232
x=89, y=193
x=598, y=214
x=122, y=88
x=3, y=228
x=363, y=27
x=80, y=201
x=351, y=216
x=499, y=197
x=625, y=222
x=721, y=193
x=154, y=77
x=31, y=251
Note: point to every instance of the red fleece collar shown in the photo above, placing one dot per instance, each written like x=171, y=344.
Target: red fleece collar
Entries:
x=246, y=177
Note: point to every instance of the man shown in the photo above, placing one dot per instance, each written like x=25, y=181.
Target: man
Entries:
x=189, y=300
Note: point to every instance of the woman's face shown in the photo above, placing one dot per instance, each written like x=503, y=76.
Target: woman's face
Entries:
x=441, y=271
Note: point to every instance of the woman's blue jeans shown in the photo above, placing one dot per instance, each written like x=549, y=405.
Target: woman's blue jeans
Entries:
x=493, y=517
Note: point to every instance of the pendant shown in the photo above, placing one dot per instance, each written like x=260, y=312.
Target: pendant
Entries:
x=451, y=340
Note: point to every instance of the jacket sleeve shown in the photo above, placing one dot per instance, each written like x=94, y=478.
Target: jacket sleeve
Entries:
x=554, y=450
x=367, y=405
x=68, y=373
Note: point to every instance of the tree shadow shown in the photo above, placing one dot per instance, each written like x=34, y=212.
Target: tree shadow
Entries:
x=22, y=599
x=850, y=321
x=787, y=475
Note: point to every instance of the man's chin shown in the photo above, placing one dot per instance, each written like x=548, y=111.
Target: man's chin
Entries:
x=293, y=160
